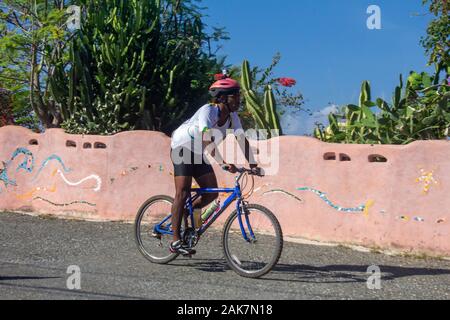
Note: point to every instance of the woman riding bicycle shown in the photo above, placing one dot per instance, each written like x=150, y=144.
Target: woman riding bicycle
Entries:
x=188, y=146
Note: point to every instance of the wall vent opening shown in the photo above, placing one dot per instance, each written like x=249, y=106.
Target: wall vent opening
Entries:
x=377, y=158
x=329, y=156
x=71, y=144
x=99, y=145
x=344, y=157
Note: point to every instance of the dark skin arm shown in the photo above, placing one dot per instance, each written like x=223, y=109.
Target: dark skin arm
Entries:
x=245, y=147
x=230, y=104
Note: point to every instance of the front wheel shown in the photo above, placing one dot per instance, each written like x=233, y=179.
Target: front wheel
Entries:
x=259, y=253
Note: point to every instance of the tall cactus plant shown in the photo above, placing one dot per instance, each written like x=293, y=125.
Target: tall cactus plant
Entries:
x=134, y=65
x=419, y=111
x=358, y=123
x=104, y=90
x=263, y=112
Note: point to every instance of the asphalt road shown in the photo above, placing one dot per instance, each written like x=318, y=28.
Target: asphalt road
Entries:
x=35, y=255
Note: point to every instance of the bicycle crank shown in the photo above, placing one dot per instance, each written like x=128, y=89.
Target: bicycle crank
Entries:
x=190, y=237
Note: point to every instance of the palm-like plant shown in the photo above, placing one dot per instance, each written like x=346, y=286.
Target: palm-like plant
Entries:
x=419, y=111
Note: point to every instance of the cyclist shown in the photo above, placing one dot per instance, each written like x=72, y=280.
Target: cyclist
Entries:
x=188, y=146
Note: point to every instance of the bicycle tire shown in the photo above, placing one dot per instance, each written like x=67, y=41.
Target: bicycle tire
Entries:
x=137, y=223
x=278, y=243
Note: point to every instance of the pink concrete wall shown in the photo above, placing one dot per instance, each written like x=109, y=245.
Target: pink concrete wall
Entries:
x=401, y=204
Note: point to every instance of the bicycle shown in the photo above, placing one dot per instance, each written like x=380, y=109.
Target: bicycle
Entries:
x=249, y=229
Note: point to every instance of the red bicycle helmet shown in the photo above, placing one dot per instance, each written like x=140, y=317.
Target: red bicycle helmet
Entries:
x=224, y=86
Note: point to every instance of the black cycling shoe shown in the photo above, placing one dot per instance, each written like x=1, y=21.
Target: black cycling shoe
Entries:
x=181, y=248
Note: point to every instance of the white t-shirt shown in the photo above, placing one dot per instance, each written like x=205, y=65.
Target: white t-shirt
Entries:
x=206, y=118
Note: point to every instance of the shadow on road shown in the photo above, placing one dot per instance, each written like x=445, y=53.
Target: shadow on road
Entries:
x=12, y=278
x=347, y=273
x=206, y=265
x=323, y=274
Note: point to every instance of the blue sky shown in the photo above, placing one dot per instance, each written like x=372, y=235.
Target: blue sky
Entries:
x=325, y=45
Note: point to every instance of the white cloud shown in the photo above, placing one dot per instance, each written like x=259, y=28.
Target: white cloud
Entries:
x=332, y=108
x=304, y=124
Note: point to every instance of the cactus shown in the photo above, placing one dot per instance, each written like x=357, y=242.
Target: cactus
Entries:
x=360, y=123
x=417, y=112
x=133, y=64
x=264, y=113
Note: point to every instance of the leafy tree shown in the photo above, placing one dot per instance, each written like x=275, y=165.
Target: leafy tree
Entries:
x=133, y=65
x=419, y=111
x=436, y=42
x=136, y=65
x=6, y=116
x=33, y=40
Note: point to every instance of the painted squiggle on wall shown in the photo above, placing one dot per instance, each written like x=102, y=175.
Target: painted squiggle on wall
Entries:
x=27, y=165
x=91, y=177
x=64, y=204
x=261, y=187
x=45, y=163
x=31, y=193
x=361, y=208
x=283, y=192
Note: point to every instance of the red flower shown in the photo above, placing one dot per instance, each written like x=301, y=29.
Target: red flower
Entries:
x=287, y=82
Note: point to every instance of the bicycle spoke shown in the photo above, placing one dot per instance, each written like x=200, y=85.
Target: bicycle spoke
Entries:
x=153, y=245
x=260, y=251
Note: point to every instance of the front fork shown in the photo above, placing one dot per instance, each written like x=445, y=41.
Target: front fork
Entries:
x=243, y=216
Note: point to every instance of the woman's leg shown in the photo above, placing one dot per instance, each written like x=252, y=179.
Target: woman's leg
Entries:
x=207, y=180
x=182, y=191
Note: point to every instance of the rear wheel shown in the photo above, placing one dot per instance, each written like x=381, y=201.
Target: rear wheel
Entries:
x=256, y=256
x=154, y=247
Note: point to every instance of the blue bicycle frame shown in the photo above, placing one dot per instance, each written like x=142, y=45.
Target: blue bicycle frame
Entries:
x=235, y=194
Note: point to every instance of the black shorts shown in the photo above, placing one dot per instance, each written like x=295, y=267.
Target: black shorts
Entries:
x=192, y=165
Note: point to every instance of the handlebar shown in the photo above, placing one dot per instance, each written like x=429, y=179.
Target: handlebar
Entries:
x=254, y=172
